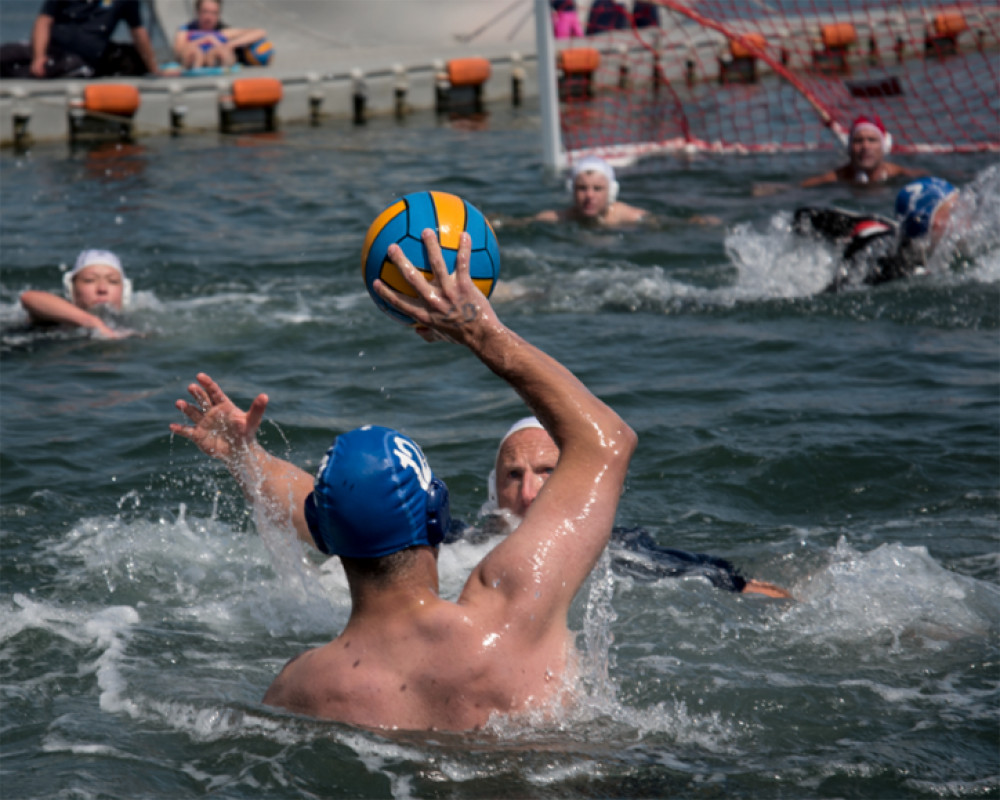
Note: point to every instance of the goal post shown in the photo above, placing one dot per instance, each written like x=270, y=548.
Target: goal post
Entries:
x=745, y=76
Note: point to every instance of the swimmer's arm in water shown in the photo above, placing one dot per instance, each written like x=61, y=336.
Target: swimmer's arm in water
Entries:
x=821, y=180
x=769, y=188
x=624, y=216
x=549, y=215
x=653, y=221
x=898, y=171
x=763, y=587
x=766, y=189
x=503, y=222
x=223, y=431
x=50, y=309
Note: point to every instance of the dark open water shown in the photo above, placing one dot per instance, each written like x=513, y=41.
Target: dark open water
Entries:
x=844, y=446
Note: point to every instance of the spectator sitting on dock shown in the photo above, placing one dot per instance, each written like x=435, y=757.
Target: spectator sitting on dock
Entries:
x=206, y=41
x=96, y=280
x=565, y=22
x=72, y=39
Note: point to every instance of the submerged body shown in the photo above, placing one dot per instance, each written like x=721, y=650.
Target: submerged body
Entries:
x=527, y=456
x=875, y=249
x=870, y=252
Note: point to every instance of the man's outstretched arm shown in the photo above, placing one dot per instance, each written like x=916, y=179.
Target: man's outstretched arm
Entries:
x=547, y=559
x=225, y=432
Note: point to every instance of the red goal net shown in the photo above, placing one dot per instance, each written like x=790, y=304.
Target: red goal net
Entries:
x=771, y=75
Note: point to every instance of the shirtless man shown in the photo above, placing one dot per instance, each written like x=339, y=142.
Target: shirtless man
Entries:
x=867, y=147
x=595, y=198
x=525, y=459
x=408, y=658
x=97, y=279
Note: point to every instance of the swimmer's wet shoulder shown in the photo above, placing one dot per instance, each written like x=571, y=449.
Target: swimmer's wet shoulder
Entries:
x=431, y=664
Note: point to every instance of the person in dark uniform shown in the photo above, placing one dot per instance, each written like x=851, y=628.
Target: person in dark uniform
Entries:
x=877, y=249
x=72, y=39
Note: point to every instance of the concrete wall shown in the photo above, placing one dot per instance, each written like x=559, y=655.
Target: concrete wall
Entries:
x=321, y=49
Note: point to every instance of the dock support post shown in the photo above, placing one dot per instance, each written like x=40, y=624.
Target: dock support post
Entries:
x=177, y=109
x=360, y=94
x=399, y=89
x=21, y=114
x=315, y=98
x=516, y=78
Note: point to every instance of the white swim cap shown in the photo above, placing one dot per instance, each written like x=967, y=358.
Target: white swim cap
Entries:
x=491, y=482
x=594, y=164
x=89, y=258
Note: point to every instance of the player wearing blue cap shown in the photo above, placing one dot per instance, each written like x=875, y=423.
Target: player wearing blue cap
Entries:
x=876, y=249
x=408, y=658
x=924, y=209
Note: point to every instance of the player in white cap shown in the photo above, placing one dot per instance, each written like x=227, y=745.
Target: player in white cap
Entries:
x=97, y=280
x=595, y=198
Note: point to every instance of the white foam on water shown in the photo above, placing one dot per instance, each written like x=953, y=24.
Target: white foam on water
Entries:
x=231, y=583
x=777, y=263
x=972, y=238
x=594, y=698
x=57, y=744
x=105, y=629
x=894, y=594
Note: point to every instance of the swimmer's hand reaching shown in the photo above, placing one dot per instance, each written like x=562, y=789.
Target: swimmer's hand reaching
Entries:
x=220, y=430
x=224, y=431
x=449, y=307
x=105, y=332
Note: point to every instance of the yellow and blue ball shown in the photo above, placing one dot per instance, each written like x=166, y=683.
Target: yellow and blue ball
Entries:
x=259, y=53
x=403, y=222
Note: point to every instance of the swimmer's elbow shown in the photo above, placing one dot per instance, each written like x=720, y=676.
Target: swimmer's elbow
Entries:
x=622, y=443
x=630, y=442
x=31, y=297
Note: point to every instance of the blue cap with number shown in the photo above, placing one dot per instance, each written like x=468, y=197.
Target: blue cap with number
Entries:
x=917, y=202
x=374, y=495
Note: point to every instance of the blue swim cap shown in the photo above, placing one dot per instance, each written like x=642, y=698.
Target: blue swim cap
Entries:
x=375, y=495
x=917, y=202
